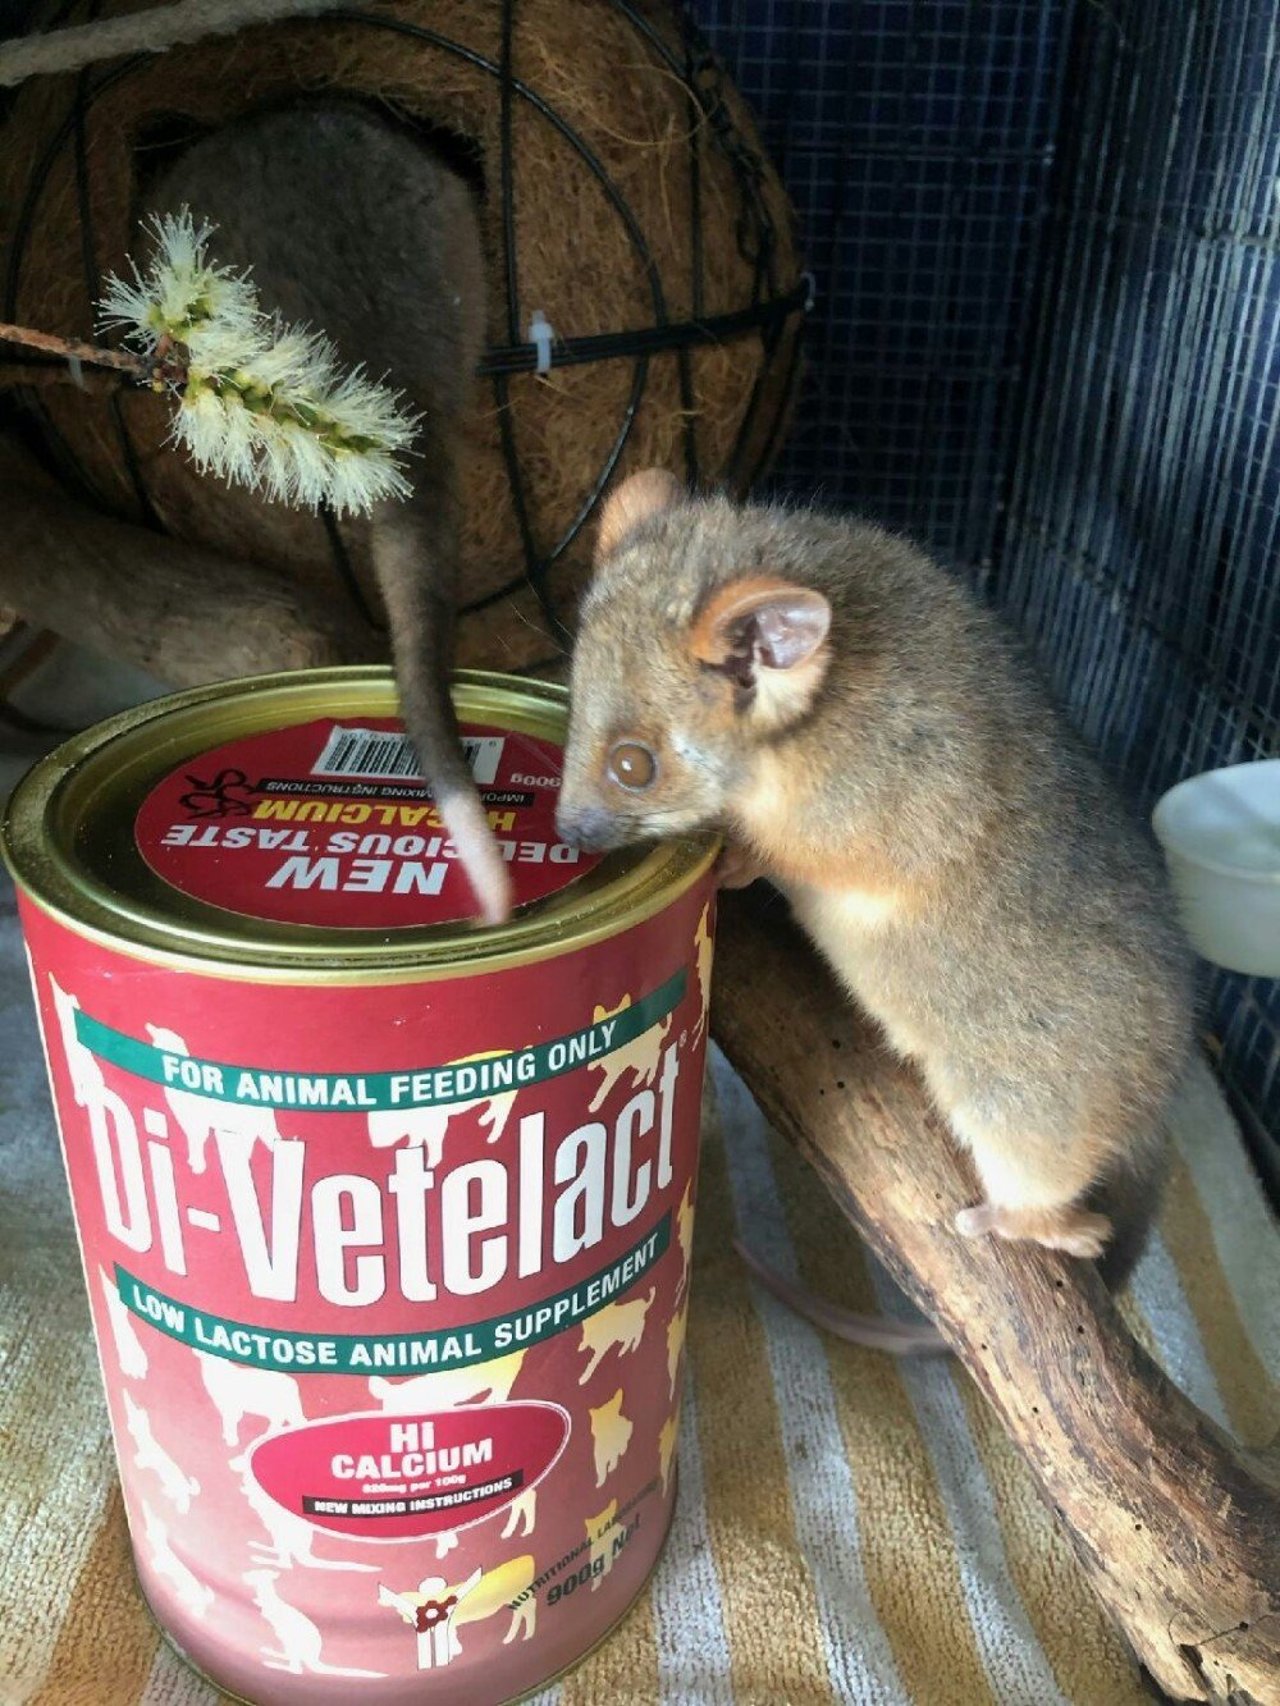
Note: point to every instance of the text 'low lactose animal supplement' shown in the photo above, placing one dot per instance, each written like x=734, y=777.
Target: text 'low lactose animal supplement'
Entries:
x=386, y=1220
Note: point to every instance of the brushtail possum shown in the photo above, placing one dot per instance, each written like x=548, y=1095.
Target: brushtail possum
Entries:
x=839, y=708
x=361, y=231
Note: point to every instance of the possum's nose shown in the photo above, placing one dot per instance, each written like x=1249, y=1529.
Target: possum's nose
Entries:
x=590, y=828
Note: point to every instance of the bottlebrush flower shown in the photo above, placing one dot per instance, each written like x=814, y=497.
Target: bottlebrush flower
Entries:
x=259, y=403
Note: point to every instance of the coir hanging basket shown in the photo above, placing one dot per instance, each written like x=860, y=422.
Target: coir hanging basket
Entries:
x=676, y=303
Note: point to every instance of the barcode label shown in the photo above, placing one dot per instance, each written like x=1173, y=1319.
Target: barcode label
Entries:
x=374, y=752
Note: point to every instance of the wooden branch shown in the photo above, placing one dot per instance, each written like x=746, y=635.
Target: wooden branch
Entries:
x=1177, y=1527
x=186, y=614
x=140, y=368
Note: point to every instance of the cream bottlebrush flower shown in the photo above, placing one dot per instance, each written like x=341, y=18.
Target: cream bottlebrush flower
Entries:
x=262, y=404
x=181, y=289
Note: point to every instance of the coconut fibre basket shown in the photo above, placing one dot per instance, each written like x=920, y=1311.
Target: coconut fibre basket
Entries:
x=625, y=197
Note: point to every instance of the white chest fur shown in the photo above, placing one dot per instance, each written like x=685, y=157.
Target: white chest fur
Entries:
x=831, y=915
x=849, y=925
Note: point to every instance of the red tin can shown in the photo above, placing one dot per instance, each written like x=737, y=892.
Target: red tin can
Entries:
x=385, y=1220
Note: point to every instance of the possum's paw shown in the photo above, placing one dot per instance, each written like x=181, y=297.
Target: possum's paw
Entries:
x=976, y=1222
x=736, y=868
x=1075, y=1231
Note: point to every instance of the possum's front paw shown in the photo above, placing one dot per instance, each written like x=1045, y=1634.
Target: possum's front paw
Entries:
x=1076, y=1231
x=736, y=868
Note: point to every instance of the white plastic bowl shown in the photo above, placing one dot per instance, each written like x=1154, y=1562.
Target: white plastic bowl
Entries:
x=1221, y=837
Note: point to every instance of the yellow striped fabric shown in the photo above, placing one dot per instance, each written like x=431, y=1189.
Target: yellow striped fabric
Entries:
x=850, y=1527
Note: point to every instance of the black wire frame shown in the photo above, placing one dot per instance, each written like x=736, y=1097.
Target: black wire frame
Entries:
x=773, y=313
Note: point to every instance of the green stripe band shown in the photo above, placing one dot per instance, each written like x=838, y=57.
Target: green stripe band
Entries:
x=393, y=1353
x=345, y=1092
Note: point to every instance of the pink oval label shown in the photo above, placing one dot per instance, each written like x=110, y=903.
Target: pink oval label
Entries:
x=328, y=823
x=407, y=1476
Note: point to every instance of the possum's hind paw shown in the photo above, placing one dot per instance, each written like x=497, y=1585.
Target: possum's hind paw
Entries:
x=976, y=1222
x=1073, y=1230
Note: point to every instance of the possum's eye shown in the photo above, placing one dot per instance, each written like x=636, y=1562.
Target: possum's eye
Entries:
x=632, y=765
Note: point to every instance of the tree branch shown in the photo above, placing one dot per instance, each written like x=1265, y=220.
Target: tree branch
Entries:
x=186, y=614
x=142, y=368
x=1177, y=1527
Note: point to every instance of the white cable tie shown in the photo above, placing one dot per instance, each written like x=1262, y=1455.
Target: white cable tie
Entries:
x=541, y=336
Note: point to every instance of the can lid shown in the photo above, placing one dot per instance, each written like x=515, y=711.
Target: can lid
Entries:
x=275, y=828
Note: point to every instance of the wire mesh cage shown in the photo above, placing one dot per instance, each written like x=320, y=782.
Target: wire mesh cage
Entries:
x=1045, y=238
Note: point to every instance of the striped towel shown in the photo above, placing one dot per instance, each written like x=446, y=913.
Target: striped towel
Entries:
x=850, y=1528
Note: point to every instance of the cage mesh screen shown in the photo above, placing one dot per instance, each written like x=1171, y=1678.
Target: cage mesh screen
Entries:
x=1045, y=342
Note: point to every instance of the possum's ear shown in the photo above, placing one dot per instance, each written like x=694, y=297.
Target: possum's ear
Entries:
x=635, y=500
x=760, y=624
x=769, y=636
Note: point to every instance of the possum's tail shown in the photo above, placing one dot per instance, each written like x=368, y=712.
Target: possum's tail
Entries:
x=413, y=560
x=899, y=1338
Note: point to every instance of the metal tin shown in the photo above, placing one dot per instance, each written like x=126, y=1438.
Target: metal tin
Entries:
x=385, y=1224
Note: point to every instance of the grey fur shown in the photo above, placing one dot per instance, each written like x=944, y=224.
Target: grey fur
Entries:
x=1041, y=954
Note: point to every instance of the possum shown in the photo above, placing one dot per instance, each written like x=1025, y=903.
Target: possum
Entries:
x=865, y=734
x=361, y=230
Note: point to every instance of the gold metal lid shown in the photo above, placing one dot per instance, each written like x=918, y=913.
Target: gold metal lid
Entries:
x=68, y=838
